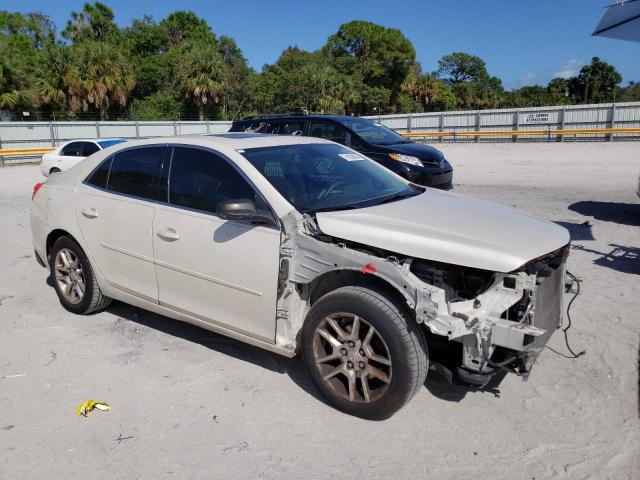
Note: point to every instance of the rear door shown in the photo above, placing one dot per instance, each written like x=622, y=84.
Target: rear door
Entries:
x=221, y=271
x=115, y=208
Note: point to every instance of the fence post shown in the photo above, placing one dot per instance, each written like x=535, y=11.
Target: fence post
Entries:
x=613, y=120
x=137, y=130
x=208, y=128
x=516, y=115
x=478, y=118
x=409, y=123
x=441, y=129
x=562, y=115
x=97, y=130
x=175, y=129
x=51, y=134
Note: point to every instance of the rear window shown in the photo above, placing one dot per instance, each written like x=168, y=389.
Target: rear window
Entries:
x=107, y=143
x=133, y=171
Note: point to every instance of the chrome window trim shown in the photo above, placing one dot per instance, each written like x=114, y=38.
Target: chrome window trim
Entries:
x=276, y=219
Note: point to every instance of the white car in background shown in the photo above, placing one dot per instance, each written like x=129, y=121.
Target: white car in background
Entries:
x=68, y=154
x=301, y=245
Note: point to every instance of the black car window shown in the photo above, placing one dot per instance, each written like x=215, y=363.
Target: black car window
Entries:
x=89, y=148
x=292, y=127
x=256, y=126
x=272, y=127
x=200, y=180
x=330, y=131
x=133, y=171
x=239, y=126
x=100, y=175
x=74, y=149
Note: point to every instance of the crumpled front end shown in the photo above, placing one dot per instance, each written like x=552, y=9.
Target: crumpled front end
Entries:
x=505, y=326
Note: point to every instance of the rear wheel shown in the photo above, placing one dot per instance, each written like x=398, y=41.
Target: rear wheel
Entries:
x=73, y=278
x=365, y=356
x=54, y=170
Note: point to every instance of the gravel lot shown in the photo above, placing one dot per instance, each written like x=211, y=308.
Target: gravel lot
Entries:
x=190, y=404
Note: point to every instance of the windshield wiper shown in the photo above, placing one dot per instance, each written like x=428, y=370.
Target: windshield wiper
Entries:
x=334, y=208
x=395, y=197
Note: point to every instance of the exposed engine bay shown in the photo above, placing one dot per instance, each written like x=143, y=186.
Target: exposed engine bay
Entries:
x=485, y=321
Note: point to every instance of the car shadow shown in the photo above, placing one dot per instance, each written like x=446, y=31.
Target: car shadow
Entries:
x=621, y=258
x=578, y=231
x=439, y=387
x=622, y=213
x=292, y=367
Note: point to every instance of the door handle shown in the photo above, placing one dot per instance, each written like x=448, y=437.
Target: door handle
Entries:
x=168, y=235
x=89, y=212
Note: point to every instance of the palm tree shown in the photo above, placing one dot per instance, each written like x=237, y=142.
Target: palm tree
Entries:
x=101, y=77
x=11, y=93
x=201, y=75
x=54, y=75
x=422, y=87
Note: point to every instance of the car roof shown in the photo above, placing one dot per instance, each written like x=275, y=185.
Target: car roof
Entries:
x=234, y=141
x=94, y=140
x=299, y=117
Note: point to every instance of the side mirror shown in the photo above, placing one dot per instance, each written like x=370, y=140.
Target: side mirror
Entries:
x=241, y=209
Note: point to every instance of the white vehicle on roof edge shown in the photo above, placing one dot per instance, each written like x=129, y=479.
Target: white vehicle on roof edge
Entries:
x=70, y=153
x=301, y=245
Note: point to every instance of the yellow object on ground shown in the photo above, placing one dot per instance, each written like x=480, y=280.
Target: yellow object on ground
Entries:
x=89, y=405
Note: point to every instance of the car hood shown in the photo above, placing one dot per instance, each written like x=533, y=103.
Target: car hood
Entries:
x=424, y=152
x=450, y=228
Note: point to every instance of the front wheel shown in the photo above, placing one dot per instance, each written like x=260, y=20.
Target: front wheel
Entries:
x=363, y=353
x=73, y=278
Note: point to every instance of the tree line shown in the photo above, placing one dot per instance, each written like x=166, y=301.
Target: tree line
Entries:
x=179, y=68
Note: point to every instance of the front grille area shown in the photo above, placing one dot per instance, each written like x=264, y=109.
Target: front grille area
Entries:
x=438, y=180
x=548, y=307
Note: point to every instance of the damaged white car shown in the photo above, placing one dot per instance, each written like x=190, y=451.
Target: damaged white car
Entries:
x=301, y=245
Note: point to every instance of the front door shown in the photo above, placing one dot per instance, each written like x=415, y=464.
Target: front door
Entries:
x=115, y=209
x=220, y=271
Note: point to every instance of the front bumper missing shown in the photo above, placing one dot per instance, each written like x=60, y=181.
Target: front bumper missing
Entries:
x=507, y=326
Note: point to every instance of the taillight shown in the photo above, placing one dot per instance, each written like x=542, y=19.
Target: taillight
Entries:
x=36, y=187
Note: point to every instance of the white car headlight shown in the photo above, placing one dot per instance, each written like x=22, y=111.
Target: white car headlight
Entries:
x=406, y=159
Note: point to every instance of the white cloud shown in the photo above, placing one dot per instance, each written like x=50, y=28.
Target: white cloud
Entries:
x=569, y=69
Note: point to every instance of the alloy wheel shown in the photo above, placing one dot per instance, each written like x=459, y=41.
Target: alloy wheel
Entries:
x=69, y=275
x=352, y=358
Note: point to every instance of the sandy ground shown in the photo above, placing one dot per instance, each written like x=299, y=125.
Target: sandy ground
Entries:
x=191, y=404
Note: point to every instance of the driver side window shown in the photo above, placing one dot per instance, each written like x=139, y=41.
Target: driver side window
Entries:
x=201, y=180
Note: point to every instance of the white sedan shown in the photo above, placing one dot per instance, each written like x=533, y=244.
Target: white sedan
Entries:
x=301, y=245
x=68, y=154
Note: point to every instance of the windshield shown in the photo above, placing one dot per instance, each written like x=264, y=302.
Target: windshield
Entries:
x=107, y=143
x=315, y=177
x=373, y=132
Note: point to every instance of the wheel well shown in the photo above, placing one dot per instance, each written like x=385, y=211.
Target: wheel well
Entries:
x=53, y=236
x=333, y=280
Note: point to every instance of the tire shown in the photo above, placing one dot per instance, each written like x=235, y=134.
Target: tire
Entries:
x=92, y=299
x=54, y=170
x=396, y=338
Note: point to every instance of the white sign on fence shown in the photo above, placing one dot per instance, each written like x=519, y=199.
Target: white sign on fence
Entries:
x=532, y=118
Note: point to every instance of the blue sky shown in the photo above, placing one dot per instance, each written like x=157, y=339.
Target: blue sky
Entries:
x=522, y=41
